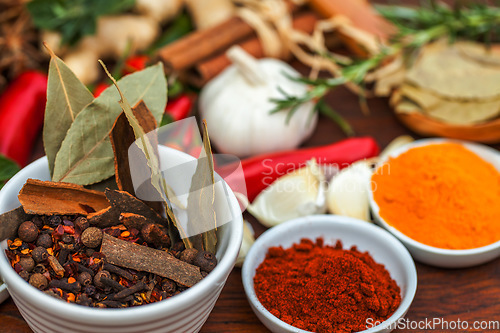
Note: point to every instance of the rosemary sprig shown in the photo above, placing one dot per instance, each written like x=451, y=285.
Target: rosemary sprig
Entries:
x=417, y=27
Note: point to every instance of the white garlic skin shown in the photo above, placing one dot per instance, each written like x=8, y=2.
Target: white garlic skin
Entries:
x=238, y=113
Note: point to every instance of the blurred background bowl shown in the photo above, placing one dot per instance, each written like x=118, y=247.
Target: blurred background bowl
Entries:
x=430, y=255
x=382, y=246
x=186, y=312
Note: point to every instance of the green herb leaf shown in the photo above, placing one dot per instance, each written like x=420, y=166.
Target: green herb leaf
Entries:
x=86, y=156
x=66, y=98
x=8, y=168
x=201, y=199
x=73, y=18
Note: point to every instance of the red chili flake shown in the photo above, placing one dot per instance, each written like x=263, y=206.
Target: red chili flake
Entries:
x=68, y=229
x=18, y=268
x=59, y=231
x=125, y=234
x=71, y=297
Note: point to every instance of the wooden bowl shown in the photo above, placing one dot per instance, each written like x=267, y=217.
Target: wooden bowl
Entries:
x=488, y=132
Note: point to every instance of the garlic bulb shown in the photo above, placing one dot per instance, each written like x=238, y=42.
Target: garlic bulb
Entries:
x=237, y=106
x=348, y=192
x=299, y=193
x=246, y=244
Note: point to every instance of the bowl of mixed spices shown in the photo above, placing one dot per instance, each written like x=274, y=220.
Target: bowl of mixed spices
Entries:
x=329, y=273
x=440, y=198
x=111, y=265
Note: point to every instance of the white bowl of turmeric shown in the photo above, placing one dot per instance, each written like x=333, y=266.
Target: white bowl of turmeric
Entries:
x=441, y=198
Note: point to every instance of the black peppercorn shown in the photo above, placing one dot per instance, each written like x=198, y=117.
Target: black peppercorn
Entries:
x=81, y=223
x=68, y=239
x=27, y=263
x=54, y=221
x=188, y=255
x=25, y=275
x=39, y=254
x=89, y=290
x=168, y=286
x=85, y=278
x=27, y=231
x=205, y=260
x=38, y=281
x=92, y=237
x=37, y=221
x=44, y=240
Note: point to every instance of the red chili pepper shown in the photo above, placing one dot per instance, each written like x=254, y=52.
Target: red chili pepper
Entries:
x=22, y=108
x=135, y=63
x=99, y=88
x=179, y=108
x=260, y=171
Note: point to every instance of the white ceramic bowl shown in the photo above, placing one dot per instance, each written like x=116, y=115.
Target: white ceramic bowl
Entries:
x=186, y=312
x=381, y=245
x=436, y=256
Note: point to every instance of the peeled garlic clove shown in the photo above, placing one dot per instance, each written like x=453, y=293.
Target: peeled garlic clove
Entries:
x=296, y=194
x=246, y=244
x=348, y=192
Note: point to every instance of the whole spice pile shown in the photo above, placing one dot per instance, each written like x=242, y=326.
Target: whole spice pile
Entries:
x=119, y=257
x=442, y=195
x=321, y=288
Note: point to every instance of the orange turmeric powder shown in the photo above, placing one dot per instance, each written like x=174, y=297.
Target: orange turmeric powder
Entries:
x=442, y=195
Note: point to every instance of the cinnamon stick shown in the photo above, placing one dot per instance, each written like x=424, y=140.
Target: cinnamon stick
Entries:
x=208, y=69
x=56, y=198
x=145, y=259
x=10, y=222
x=202, y=44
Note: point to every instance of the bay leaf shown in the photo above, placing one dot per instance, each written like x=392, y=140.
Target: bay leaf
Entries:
x=67, y=96
x=144, y=143
x=201, y=199
x=86, y=155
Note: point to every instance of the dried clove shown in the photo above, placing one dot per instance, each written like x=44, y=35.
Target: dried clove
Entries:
x=74, y=287
x=205, y=260
x=103, y=279
x=118, y=271
x=139, y=286
x=85, y=278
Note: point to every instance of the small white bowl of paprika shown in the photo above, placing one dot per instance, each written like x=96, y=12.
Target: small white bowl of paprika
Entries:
x=440, y=198
x=381, y=249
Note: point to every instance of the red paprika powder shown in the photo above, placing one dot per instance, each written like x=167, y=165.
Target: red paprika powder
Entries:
x=321, y=288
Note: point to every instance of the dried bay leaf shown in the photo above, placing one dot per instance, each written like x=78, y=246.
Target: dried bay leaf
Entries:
x=444, y=70
x=449, y=110
x=201, y=199
x=66, y=98
x=86, y=155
